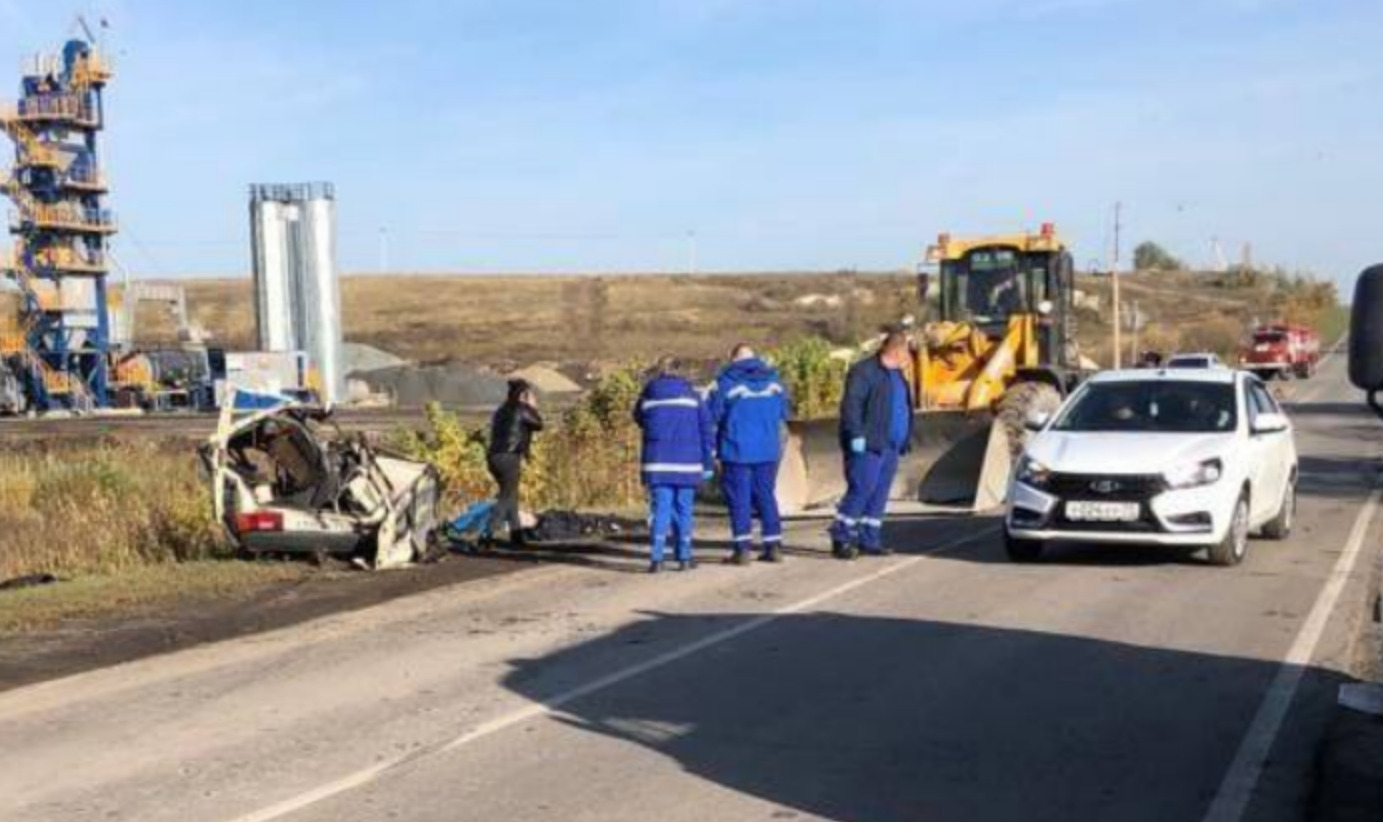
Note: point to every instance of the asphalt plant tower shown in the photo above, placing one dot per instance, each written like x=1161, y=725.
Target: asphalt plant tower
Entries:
x=61, y=347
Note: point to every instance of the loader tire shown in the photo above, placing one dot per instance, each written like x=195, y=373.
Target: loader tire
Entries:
x=1020, y=400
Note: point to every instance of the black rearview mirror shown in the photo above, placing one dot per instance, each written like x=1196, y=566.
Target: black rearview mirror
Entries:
x=1366, y=335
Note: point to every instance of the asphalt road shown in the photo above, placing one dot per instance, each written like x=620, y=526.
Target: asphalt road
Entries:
x=939, y=684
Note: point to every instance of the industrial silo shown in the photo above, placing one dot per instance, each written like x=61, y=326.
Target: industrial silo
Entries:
x=297, y=296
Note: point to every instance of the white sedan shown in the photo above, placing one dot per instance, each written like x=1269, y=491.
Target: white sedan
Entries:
x=1189, y=458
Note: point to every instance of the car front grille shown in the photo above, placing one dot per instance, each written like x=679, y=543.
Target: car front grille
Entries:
x=1106, y=487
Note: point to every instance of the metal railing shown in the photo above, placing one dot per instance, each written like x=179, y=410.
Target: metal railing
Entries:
x=84, y=177
x=64, y=217
x=64, y=107
x=94, y=67
x=34, y=152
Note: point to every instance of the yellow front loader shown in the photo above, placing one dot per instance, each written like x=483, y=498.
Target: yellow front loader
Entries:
x=1000, y=346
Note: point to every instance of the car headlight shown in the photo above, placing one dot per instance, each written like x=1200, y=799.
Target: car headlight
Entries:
x=1194, y=474
x=1032, y=472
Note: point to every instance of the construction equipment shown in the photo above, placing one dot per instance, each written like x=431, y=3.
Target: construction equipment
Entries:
x=1000, y=347
x=59, y=351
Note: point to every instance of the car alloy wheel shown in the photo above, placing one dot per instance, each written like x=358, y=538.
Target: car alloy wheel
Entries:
x=1290, y=504
x=1240, y=527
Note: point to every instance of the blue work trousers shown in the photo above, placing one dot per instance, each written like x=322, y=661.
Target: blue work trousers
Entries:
x=751, y=490
x=860, y=514
x=670, y=511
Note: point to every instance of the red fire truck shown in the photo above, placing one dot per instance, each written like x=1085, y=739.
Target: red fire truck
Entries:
x=1284, y=351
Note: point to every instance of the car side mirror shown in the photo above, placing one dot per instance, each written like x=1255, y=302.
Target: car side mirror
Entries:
x=1269, y=423
x=1366, y=335
x=1037, y=420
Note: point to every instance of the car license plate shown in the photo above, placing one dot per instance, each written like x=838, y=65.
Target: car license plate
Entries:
x=1102, y=511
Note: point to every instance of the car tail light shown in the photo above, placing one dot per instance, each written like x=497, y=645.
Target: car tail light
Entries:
x=258, y=521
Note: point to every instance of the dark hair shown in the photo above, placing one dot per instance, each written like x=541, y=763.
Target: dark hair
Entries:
x=517, y=387
x=895, y=340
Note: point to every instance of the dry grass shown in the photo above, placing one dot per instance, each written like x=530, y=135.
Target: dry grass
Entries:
x=1191, y=311
x=506, y=320
x=85, y=509
x=502, y=320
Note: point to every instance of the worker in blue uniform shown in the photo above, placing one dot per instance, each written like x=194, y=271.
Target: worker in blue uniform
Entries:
x=678, y=455
x=875, y=430
x=749, y=405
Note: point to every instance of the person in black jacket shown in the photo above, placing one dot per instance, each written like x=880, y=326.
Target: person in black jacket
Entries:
x=875, y=429
x=511, y=437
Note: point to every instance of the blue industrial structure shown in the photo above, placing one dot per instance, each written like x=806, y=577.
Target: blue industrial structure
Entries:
x=61, y=347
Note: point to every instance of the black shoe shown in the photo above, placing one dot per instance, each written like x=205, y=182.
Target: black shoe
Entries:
x=686, y=565
x=654, y=567
x=772, y=553
x=741, y=557
x=844, y=550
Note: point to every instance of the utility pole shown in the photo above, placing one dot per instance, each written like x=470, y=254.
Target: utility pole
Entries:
x=1136, y=327
x=1114, y=285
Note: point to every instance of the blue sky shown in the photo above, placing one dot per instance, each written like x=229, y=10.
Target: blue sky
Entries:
x=558, y=135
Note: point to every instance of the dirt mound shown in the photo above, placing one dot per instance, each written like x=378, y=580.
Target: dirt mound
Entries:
x=362, y=357
x=547, y=380
x=454, y=384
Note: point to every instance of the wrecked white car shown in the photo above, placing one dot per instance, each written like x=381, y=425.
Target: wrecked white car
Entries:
x=286, y=480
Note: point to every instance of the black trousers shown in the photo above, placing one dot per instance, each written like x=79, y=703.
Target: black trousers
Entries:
x=507, y=470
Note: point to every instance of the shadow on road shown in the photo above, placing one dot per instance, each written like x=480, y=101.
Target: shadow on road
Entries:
x=1329, y=409
x=924, y=535
x=618, y=555
x=893, y=720
x=1337, y=478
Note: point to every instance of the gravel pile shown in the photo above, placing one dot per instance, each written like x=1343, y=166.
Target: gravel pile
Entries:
x=454, y=384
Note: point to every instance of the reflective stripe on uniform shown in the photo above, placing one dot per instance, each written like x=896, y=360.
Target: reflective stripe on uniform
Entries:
x=676, y=402
x=673, y=467
x=750, y=393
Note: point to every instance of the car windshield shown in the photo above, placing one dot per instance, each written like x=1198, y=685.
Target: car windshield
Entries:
x=1269, y=337
x=1162, y=406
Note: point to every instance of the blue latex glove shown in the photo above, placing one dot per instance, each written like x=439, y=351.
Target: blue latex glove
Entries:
x=708, y=475
x=857, y=445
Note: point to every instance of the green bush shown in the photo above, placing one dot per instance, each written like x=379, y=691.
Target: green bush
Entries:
x=587, y=457
x=814, y=378
x=1149, y=256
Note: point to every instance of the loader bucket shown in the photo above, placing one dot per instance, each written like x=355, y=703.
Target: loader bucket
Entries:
x=957, y=458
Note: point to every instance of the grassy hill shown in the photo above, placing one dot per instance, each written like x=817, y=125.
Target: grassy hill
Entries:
x=503, y=321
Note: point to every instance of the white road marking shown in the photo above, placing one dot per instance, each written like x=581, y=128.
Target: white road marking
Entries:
x=536, y=710
x=1236, y=790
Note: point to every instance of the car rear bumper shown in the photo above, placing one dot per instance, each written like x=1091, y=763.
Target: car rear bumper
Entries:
x=304, y=542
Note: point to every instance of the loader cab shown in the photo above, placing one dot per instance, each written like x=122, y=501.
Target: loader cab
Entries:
x=985, y=282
